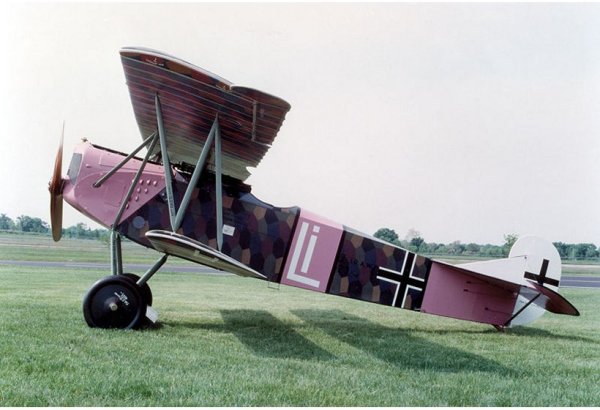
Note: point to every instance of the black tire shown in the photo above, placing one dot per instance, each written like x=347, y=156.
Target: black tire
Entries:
x=146, y=293
x=114, y=302
x=144, y=290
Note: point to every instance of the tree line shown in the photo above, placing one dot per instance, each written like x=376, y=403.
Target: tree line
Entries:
x=414, y=242
x=30, y=224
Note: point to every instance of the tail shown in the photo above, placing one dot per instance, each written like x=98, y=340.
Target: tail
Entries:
x=535, y=264
x=543, y=267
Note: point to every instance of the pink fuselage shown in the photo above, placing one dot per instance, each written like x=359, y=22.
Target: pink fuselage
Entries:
x=288, y=245
x=89, y=164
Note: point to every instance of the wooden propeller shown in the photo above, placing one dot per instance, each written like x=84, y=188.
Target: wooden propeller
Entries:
x=55, y=186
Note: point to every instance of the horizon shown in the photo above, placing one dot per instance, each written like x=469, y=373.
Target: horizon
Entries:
x=401, y=238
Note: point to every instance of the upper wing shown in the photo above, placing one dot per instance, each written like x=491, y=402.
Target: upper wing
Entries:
x=191, y=98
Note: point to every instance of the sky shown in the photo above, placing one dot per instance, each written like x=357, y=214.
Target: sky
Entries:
x=460, y=121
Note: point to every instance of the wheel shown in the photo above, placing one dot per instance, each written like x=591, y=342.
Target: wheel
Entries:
x=146, y=296
x=145, y=289
x=114, y=302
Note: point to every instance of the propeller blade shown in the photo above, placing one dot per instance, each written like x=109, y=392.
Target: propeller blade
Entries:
x=56, y=187
x=56, y=213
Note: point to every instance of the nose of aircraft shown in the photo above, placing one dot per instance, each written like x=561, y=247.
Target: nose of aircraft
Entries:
x=55, y=186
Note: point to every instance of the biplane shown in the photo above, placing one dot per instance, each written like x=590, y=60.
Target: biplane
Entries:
x=186, y=197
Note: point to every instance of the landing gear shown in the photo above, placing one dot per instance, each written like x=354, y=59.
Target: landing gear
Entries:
x=145, y=289
x=116, y=301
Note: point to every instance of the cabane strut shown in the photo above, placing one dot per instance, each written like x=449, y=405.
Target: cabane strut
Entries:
x=175, y=215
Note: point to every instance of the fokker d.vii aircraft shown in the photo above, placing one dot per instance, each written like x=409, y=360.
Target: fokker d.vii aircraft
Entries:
x=187, y=198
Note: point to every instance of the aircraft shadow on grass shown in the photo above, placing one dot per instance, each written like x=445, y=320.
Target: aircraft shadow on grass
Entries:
x=517, y=331
x=541, y=333
x=267, y=336
x=263, y=334
x=397, y=347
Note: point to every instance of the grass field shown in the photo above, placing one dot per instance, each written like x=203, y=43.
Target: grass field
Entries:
x=20, y=247
x=229, y=341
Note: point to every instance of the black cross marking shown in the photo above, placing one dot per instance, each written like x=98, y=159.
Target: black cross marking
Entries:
x=404, y=280
x=541, y=278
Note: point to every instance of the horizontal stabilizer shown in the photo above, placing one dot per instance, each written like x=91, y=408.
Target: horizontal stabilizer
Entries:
x=183, y=247
x=554, y=302
x=461, y=293
x=507, y=269
x=487, y=298
x=548, y=299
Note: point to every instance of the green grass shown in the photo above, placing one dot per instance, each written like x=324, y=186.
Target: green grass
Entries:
x=229, y=341
x=581, y=270
x=23, y=247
